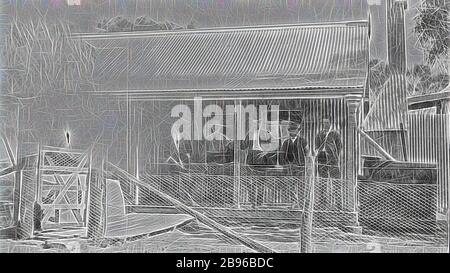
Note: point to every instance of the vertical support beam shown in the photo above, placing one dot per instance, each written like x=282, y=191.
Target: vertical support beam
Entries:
x=38, y=175
x=88, y=189
x=237, y=154
x=138, y=116
x=133, y=119
x=448, y=230
x=308, y=210
x=17, y=195
x=18, y=172
x=352, y=155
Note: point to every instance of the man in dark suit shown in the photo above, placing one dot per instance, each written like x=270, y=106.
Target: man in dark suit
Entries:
x=328, y=148
x=292, y=153
x=295, y=148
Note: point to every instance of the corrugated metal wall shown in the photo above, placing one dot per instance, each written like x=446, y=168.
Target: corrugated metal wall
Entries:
x=390, y=108
x=390, y=140
x=429, y=142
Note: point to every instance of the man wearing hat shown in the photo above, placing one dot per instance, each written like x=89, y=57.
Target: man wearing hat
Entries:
x=295, y=148
x=292, y=153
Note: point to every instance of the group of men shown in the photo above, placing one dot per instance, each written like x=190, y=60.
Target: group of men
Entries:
x=292, y=155
x=327, y=149
x=328, y=146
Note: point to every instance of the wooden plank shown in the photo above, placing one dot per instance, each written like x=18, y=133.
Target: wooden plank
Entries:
x=62, y=150
x=53, y=169
x=274, y=216
x=64, y=206
x=376, y=145
x=7, y=170
x=8, y=149
x=75, y=209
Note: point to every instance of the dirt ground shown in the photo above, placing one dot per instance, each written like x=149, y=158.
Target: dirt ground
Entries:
x=203, y=240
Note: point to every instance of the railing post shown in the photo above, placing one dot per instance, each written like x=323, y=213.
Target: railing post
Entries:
x=352, y=156
x=237, y=176
x=237, y=155
x=308, y=210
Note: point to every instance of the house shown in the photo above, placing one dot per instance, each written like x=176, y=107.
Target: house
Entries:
x=306, y=71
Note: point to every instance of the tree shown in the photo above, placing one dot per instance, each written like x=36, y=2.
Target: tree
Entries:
x=432, y=28
x=117, y=24
x=41, y=56
x=422, y=81
x=418, y=79
x=439, y=82
x=142, y=23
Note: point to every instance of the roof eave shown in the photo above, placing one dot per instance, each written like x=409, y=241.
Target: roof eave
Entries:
x=238, y=93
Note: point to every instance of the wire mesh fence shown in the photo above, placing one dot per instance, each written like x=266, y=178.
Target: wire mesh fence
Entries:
x=401, y=211
x=388, y=217
x=62, y=159
x=221, y=191
x=206, y=186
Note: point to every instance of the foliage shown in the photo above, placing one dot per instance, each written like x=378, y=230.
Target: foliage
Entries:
x=432, y=27
x=142, y=23
x=421, y=80
x=39, y=56
x=116, y=24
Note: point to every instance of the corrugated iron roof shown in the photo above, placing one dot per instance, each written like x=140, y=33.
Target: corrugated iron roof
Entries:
x=314, y=56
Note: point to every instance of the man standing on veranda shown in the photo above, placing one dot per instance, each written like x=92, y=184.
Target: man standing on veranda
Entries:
x=328, y=146
x=293, y=152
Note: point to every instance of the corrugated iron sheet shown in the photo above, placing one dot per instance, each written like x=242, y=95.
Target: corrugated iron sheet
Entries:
x=429, y=142
x=297, y=56
x=390, y=107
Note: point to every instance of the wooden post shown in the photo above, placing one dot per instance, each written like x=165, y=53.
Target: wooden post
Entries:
x=308, y=210
x=17, y=195
x=86, y=197
x=27, y=198
x=40, y=160
x=448, y=230
x=237, y=155
x=15, y=162
x=133, y=117
x=352, y=156
x=403, y=136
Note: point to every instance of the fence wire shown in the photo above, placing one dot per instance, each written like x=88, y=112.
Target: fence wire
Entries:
x=388, y=217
